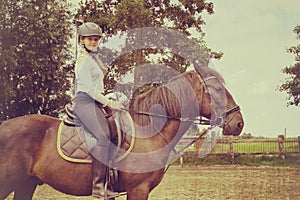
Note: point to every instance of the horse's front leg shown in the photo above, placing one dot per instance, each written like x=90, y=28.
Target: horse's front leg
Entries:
x=25, y=190
x=139, y=185
x=138, y=194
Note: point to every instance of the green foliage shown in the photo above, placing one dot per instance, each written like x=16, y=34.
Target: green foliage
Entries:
x=121, y=15
x=292, y=84
x=34, y=49
x=246, y=136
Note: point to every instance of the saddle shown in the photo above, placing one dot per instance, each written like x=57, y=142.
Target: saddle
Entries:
x=72, y=120
x=74, y=142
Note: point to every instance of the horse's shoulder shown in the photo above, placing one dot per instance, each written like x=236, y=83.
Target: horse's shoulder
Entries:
x=42, y=119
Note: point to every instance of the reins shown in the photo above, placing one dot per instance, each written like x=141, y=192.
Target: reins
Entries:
x=200, y=121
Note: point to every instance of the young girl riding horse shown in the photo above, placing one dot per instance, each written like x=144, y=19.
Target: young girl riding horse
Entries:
x=89, y=74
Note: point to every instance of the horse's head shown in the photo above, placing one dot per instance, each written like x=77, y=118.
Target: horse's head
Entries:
x=216, y=103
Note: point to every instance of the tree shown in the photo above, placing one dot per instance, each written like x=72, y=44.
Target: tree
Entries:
x=115, y=16
x=34, y=50
x=246, y=136
x=292, y=84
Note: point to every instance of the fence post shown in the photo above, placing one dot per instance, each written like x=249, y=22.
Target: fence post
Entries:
x=299, y=142
x=231, y=152
x=281, y=146
x=181, y=161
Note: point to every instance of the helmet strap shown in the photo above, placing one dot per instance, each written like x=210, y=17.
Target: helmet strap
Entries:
x=89, y=51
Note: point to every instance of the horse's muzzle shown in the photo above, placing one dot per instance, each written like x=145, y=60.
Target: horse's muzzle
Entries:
x=234, y=126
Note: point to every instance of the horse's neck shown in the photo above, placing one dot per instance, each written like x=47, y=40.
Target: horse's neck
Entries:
x=175, y=100
x=174, y=129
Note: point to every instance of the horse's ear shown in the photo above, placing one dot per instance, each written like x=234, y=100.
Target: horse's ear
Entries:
x=200, y=70
x=197, y=68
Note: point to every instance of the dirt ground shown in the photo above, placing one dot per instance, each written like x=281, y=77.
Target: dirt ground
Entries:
x=213, y=182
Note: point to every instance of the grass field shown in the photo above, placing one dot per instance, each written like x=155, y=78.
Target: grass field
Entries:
x=212, y=183
x=291, y=160
x=251, y=146
x=246, y=152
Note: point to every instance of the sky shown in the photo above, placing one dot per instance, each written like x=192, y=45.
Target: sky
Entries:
x=254, y=36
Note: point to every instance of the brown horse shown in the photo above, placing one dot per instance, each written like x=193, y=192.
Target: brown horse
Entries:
x=28, y=144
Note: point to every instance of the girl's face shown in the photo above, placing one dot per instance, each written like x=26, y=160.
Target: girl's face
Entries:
x=90, y=42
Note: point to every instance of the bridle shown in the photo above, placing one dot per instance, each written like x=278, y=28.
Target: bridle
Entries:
x=218, y=121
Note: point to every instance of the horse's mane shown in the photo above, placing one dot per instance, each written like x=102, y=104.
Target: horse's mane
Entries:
x=166, y=96
x=173, y=97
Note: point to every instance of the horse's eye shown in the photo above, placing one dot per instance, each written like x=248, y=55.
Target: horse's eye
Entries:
x=219, y=88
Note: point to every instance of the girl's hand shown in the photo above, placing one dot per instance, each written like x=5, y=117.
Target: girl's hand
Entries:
x=116, y=105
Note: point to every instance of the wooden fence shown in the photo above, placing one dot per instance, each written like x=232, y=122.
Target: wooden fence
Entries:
x=233, y=147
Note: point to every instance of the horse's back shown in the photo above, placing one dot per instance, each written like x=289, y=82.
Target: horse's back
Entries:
x=21, y=132
x=22, y=135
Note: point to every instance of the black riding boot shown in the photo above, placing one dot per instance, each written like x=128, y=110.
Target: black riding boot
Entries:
x=99, y=173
